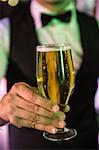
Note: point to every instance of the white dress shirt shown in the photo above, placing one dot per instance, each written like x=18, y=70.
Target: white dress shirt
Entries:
x=59, y=32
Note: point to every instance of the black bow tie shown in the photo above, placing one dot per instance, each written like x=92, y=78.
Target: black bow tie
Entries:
x=63, y=17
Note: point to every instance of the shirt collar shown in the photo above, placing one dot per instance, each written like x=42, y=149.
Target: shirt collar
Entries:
x=36, y=9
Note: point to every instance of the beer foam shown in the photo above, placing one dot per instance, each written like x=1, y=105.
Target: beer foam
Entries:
x=53, y=47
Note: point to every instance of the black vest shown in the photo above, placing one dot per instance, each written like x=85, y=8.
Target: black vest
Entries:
x=22, y=68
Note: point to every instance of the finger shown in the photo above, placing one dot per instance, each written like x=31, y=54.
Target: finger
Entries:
x=21, y=113
x=48, y=121
x=20, y=102
x=25, y=91
x=22, y=89
x=39, y=119
x=24, y=104
x=44, y=103
x=42, y=127
x=60, y=115
x=43, y=112
x=38, y=122
x=19, y=122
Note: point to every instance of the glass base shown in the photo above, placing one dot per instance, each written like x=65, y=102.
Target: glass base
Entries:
x=62, y=134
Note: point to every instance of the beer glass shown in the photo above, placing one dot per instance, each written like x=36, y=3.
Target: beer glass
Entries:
x=55, y=78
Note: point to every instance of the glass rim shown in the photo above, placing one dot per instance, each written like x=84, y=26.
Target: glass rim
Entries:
x=54, y=47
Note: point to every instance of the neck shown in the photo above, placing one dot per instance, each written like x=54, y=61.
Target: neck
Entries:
x=55, y=7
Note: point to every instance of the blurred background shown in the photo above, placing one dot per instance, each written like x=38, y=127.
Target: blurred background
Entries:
x=90, y=7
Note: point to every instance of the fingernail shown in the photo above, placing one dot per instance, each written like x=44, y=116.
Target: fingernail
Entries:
x=55, y=108
x=53, y=130
x=62, y=124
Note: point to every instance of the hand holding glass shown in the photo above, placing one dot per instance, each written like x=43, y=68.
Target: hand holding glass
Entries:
x=55, y=78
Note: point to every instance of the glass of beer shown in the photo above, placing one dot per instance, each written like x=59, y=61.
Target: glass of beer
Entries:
x=56, y=79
